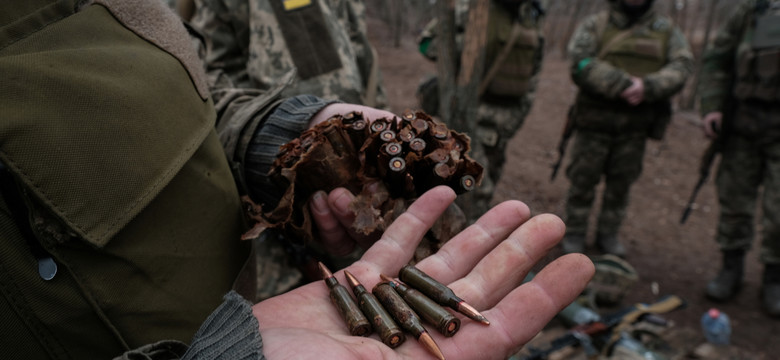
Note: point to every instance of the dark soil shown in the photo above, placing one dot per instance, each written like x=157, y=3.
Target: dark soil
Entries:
x=670, y=258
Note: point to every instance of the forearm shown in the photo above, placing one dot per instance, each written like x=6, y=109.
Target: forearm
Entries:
x=671, y=78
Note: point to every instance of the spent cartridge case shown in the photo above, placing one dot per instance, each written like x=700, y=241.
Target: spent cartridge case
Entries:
x=430, y=311
x=391, y=334
x=356, y=322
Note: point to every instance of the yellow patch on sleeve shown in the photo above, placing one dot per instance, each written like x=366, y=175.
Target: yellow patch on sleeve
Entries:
x=295, y=4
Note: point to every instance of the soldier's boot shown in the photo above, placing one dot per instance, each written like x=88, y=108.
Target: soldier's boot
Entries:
x=771, y=289
x=729, y=279
x=573, y=243
x=610, y=244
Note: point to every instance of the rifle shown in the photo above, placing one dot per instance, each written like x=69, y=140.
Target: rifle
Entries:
x=704, y=172
x=607, y=331
x=568, y=130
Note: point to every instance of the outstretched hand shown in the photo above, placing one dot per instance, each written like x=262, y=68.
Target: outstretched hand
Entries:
x=485, y=265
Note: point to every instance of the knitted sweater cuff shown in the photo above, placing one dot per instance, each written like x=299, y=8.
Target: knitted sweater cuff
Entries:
x=284, y=124
x=230, y=332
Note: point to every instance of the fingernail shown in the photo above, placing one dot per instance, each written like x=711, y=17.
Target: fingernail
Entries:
x=341, y=203
x=319, y=202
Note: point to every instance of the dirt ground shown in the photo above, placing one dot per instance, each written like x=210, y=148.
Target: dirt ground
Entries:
x=670, y=258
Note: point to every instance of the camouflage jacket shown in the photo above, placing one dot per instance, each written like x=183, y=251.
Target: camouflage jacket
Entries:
x=720, y=59
x=255, y=45
x=529, y=47
x=600, y=78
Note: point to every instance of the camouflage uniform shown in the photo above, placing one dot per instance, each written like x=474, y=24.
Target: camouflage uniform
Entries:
x=508, y=96
x=253, y=46
x=611, y=133
x=742, y=70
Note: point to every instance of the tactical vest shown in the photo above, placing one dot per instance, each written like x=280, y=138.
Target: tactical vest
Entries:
x=639, y=50
x=758, y=60
x=514, y=73
x=641, y=53
x=107, y=132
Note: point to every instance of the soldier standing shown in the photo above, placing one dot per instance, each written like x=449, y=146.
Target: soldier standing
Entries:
x=321, y=48
x=513, y=60
x=740, y=89
x=627, y=61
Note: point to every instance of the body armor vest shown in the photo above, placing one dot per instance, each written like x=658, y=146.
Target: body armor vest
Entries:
x=758, y=60
x=514, y=73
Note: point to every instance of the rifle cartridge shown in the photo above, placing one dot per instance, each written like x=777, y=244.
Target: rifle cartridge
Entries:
x=356, y=322
x=384, y=325
x=467, y=183
x=378, y=126
x=438, y=292
x=405, y=316
x=445, y=322
x=417, y=145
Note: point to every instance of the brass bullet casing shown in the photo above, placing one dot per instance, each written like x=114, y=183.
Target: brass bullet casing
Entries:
x=444, y=321
x=356, y=322
x=438, y=292
x=384, y=325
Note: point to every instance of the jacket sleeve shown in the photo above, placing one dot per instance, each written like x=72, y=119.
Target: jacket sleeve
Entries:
x=666, y=82
x=718, y=61
x=592, y=75
x=230, y=332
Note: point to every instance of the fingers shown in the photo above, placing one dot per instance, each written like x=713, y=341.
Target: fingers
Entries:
x=341, y=108
x=459, y=255
x=399, y=241
x=525, y=310
x=506, y=266
x=333, y=236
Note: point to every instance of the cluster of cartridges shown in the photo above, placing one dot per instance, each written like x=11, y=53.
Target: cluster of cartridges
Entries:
x=395, y=307
x=386, y=162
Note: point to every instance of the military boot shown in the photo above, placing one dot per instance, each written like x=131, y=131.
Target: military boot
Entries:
x=573, y=243
x=610, y=244
x=771, y=289
x=729, y=280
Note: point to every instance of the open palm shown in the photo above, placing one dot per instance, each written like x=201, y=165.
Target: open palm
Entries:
x=485, y=265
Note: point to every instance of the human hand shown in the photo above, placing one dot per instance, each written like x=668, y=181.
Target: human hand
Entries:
x=485, y=265
x=634, y=94
x=711, y=124
x=333, y=218
x=331, y=110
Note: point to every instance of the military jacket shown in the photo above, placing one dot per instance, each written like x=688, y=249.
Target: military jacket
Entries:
x=606, y=51
x=113, y=170
x=253, y=45
x=743, y=63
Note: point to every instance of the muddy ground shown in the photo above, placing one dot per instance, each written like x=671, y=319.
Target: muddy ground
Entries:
x=669, y=257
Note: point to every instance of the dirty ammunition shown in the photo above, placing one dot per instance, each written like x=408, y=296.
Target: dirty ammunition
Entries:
x=390, y=333
x=444, y=321
x=405, y=316
x=467, y=183
x=438, y=292
x=417, y=145
x=356, y=322
x=378, y=126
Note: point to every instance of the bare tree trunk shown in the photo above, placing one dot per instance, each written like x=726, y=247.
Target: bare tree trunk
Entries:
x=446, y=56
x=691, y=100
x=573, y=21
x=472, y=65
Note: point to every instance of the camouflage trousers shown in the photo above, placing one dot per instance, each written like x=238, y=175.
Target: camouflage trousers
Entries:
x=745, y=167
x=618, y=158
x=495, y=127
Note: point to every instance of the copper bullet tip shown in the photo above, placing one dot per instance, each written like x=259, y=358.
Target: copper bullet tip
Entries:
x=429, y=344
x=472, y=313
x=353, y=281
x=324, y=271
x=386, y=278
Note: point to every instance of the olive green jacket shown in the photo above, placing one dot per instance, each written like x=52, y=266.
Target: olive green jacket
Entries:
x=116, y=173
